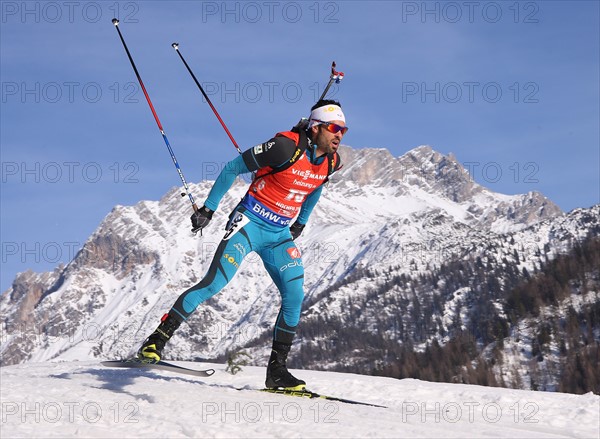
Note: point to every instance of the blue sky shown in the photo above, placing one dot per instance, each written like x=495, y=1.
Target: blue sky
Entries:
x=510, y=88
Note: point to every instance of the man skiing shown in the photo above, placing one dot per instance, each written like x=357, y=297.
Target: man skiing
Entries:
x=290, y=171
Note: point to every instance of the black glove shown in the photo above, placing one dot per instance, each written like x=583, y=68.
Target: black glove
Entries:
x=296, y=229
x=201, y=218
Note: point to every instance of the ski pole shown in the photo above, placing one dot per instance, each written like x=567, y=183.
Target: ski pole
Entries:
x=176, y=47
x=162, y=132
x=335, y=76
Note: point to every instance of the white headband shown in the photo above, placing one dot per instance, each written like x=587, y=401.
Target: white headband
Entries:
x=326, y=113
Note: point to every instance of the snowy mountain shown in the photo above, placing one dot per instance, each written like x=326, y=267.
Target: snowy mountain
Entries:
x=382, y=223
x=84, y=399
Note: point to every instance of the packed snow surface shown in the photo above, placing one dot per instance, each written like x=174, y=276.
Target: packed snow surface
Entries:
x=85, y=399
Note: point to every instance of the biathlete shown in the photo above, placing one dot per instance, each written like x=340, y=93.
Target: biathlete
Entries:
x=291, y=169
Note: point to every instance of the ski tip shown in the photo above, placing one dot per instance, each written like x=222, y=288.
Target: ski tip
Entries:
x=161, y=365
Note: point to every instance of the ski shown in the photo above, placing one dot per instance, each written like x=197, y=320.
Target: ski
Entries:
x=159, y=365
x=163, y=365
x=312, y=395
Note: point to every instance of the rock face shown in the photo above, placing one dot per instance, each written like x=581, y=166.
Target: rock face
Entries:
x=407, y=215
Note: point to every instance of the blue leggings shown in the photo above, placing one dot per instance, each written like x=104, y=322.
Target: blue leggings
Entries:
x=280, y=256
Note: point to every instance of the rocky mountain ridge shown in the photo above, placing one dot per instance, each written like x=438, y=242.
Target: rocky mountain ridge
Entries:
x=407, y=216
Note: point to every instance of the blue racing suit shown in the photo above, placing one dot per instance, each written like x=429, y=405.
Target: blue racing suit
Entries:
x=249, y=231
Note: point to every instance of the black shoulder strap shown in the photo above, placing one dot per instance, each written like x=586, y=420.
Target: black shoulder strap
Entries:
x=330, y=163
x=333, y=160
x=300, y=148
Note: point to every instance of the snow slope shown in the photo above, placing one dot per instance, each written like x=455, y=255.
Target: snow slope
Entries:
x=85, y=399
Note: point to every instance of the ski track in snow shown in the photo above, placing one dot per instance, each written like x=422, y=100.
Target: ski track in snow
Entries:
x=85, y=399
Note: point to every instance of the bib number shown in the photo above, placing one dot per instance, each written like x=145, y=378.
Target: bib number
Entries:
x=296, y=195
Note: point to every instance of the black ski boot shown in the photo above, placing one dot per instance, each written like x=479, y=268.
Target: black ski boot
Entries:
x=151, y=349
x=277, y=374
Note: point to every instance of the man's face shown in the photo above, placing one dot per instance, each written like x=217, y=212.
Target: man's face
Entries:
x=327, y=142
